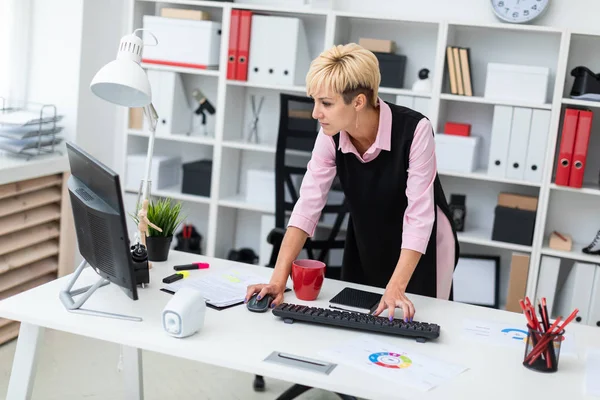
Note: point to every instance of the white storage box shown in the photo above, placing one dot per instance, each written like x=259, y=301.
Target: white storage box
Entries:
x=183, y=43
x=516, y=83
x=260, y=187
x=165, y=171
x=456, y=153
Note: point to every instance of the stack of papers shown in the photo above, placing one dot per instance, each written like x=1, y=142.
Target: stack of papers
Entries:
x=592, y=372
x=24, y=132
x=400, y=367
x=25, y=117
x=220, y=289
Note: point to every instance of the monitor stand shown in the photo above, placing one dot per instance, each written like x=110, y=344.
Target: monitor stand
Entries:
x=66, y=296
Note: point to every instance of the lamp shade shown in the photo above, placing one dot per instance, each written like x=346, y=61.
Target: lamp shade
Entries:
x=123, y=81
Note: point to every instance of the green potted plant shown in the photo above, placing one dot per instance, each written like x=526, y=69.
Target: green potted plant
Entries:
x=167, y=216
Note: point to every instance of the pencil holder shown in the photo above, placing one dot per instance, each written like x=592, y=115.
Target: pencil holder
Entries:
x=542, y=350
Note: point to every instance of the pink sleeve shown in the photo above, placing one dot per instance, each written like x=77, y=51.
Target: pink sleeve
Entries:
x=315, y=186
x=419, y=215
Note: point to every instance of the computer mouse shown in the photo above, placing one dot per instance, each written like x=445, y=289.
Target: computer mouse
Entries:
x=261, y=305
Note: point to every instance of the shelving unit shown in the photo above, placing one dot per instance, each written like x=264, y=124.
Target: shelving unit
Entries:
x=229, y=221
x=37, y=240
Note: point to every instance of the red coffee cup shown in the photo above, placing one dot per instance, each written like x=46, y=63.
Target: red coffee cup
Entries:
x=308, y=276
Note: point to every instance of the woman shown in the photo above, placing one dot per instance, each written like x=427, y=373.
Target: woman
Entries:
x=399, y=233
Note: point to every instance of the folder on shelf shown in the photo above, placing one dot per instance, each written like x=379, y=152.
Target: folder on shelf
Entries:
x=576, y=291
x=501, y=127
x=451, y=70
x=245, y=29
x=232, y=51
x=170, y=100
x=458, y=70
x=519, y=138
x=465, y=67
x=547, y=280
x=580, y=148
x=565, y=151
x=594, y=314
x=536, y=150
x=278, y=51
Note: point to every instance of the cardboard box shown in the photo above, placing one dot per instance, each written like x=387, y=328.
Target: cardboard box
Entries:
x=379, y=45
x=517, y=283
x=560, y=241
x=519, y=201
x=196, y=15
x=136, y=118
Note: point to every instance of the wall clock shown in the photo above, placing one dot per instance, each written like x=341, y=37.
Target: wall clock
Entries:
x=519, y=11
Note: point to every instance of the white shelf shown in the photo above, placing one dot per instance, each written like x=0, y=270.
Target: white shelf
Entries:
x=239, y=202
x=182, y=70
x=175, y=193
x=583, y=103
x=509, y=27
x=575, y=254
x=242, y=145
x=198, y=3
x=283, y=88
x=483, y=176
x=482, y=237
x=586, y=189
x=405, y=92
x=483, y=100
x=207, y=140
x=326, y=27
x=264, y=148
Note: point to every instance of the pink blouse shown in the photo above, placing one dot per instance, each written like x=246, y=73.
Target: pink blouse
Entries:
x=418, y=218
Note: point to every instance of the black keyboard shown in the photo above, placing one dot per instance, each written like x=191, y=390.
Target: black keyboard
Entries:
x=420, y=330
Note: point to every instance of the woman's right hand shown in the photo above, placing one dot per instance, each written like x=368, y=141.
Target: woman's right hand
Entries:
x=274, y=289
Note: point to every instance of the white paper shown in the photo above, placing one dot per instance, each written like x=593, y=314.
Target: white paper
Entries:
x=509, y=335
x=404, y=368
x=592, y=372
x=220, y=289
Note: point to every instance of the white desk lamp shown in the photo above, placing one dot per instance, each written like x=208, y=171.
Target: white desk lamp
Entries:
x=124, y=82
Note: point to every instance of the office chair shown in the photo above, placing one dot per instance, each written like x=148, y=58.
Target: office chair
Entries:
x=297, y=132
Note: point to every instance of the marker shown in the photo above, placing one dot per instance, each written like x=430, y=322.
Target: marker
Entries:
x=185, y=267
x=176, y=277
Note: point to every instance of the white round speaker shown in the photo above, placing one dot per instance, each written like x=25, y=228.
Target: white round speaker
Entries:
x=184, y=313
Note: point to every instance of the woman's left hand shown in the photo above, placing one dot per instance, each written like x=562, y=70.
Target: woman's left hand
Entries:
x=394, y=296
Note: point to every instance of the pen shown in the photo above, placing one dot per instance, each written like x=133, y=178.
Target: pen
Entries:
x=196, y=265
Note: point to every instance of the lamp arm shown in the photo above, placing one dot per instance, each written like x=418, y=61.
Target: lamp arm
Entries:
x=152, y=116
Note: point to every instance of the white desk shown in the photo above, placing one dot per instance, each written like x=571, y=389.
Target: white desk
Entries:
x=238, y=339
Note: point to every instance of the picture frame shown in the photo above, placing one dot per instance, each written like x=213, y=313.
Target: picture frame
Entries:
x=476, y=280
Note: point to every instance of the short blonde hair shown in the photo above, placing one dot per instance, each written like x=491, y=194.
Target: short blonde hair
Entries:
x=347, y=70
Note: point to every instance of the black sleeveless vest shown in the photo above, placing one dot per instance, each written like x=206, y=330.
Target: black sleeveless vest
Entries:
x=376, y=195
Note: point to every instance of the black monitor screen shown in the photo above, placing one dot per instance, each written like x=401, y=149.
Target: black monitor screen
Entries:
x=99, y=217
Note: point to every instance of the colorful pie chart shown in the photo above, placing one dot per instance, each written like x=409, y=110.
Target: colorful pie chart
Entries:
x=390, y=360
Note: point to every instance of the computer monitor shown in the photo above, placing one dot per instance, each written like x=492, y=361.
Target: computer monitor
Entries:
x=99, y=217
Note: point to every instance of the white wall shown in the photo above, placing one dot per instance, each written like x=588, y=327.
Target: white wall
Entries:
x=70, y=41
x=100, y=37
x=55, y=57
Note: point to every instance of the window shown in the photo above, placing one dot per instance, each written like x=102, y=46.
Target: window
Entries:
x=15, y=16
